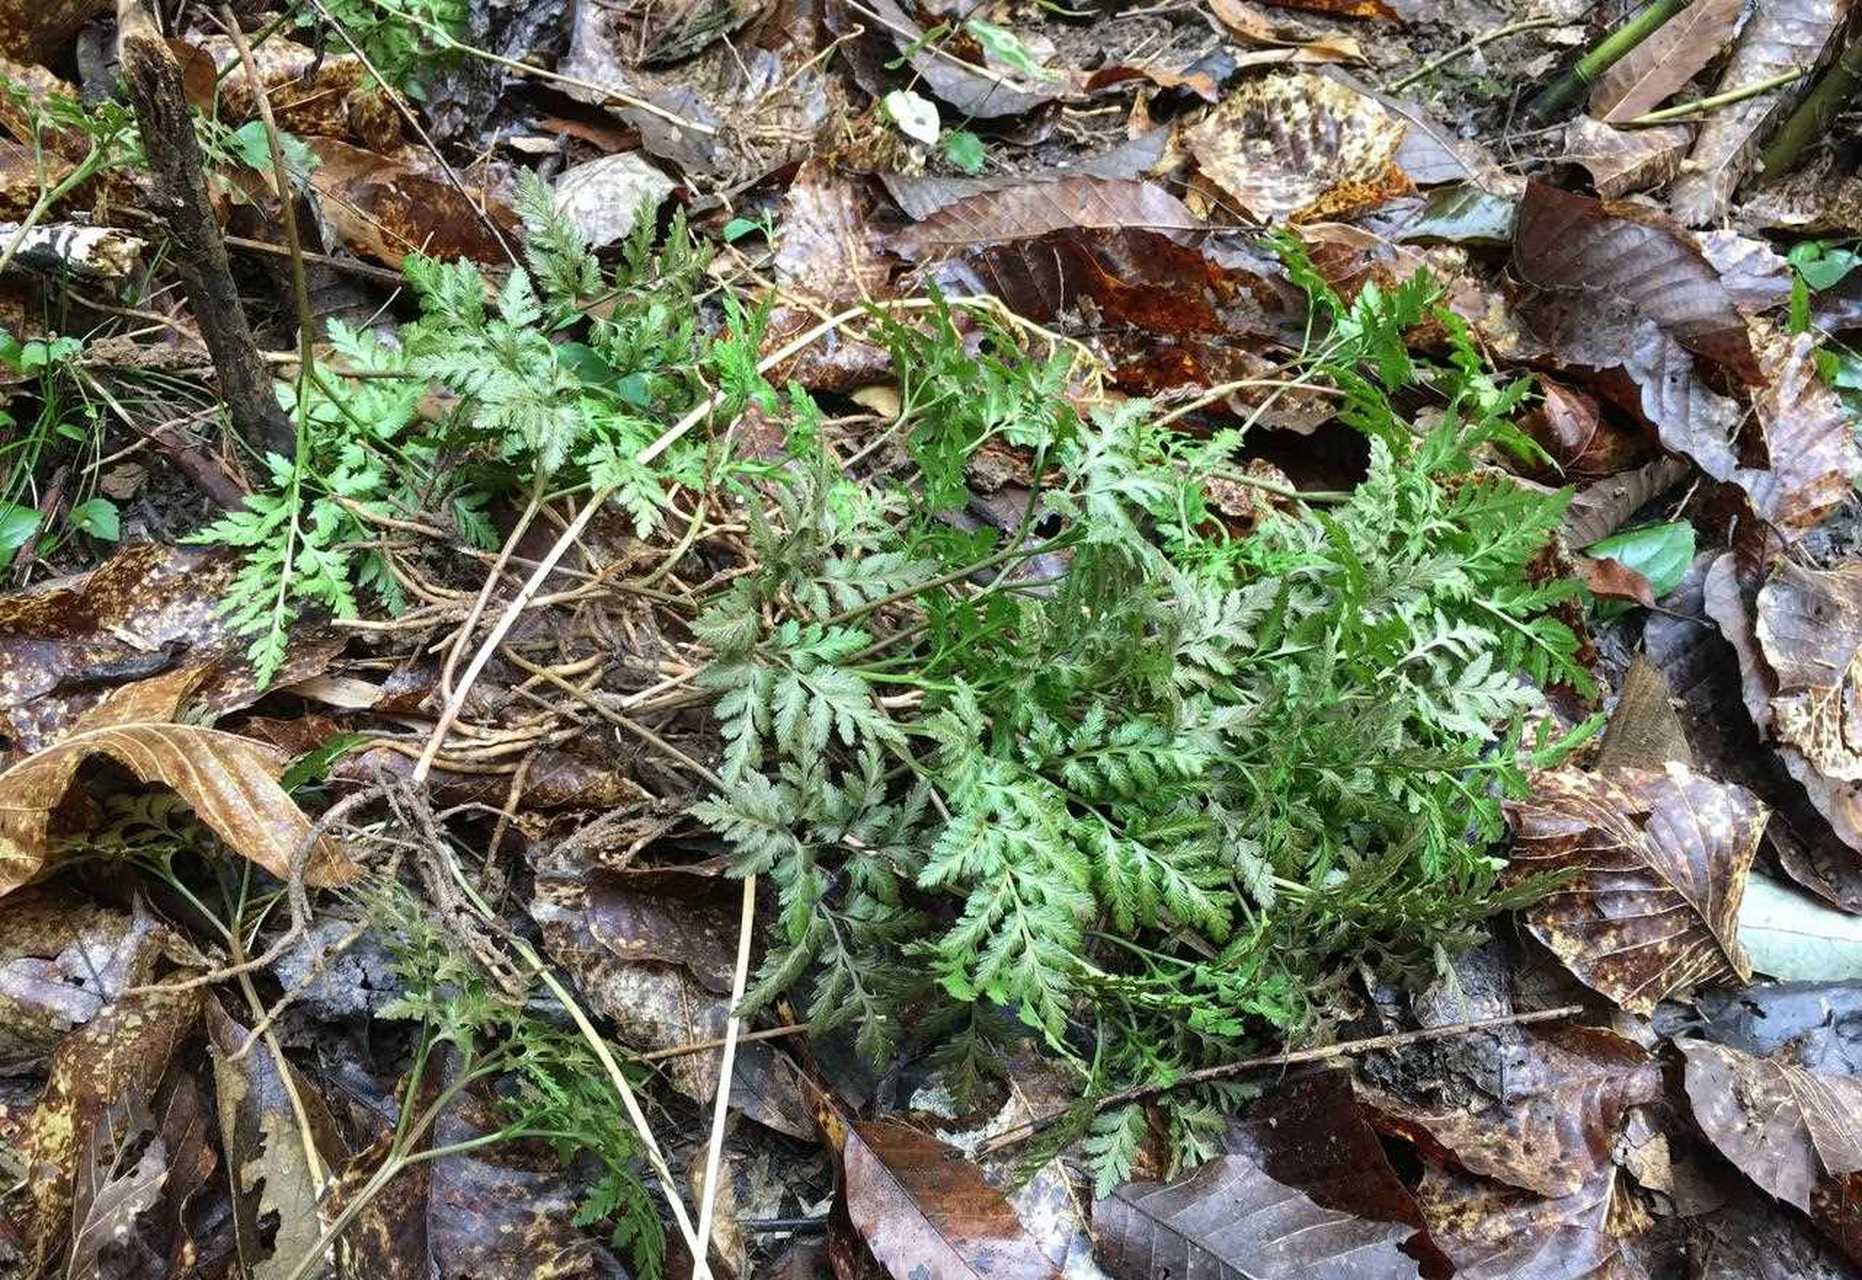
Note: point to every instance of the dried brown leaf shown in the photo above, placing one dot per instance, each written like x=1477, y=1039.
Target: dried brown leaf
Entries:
x=1809, y=437
x=312, y=92
x=1644, y=732
x=265, y=1148
x=1038, y=208
x=1602, y=507
x=926, y=1213
x=1622, y=287
x=1302, y=147
x=1797, y=1134
x=1614, y=580
x=146, y=610
x=1230, y=1219
x=1495, y=1232
x=1582, y=443
x=1620, y=161
x=1658, y=67
x=230, y=782
x=121, y=1053
x=385, y=209
x=1783, y=35
x=1554, y=1126
x=1657, y=865
x=63, y=959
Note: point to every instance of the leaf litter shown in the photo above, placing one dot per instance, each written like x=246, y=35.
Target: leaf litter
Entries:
x=894, y=612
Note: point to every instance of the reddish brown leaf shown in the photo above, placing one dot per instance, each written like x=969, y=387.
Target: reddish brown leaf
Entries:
x=1583, y=444
x=1230, y=1219
x=1622, y=287
x=1302, y=147
x=1782, y=35
x=1665, y=61
x=1656, y=865
x=1614, y=580
x=386, y=209
x=230, y=782
x=927, y=1214
x=1554, y=1126
x=1809, y=438
x=1795, y=1133
x=1620, y=161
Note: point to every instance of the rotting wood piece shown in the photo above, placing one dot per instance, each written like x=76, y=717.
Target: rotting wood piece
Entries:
x=178, y=197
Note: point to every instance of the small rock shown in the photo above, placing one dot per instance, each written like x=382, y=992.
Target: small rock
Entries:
x=604, y=197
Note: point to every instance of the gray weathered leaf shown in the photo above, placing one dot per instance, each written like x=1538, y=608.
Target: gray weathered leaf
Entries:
x=1230, y=1221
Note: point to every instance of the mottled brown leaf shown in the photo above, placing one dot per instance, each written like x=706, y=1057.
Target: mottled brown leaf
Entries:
x=1782, y=35
x=1302, y=147
x=1496, y=1232
x=1809, y=627
x=145, y=610
x=119, y=1179
x=1797, y=1134
x=1754, y=273
x=1809, y=439
x=1552, y=1129
x=385, y=209
x=1657, y=865
x=1620, y=161
x=229, y=781
x=1620, y=286
x=312, y=92
x=1658, y=67
x=1230, y=1220
x=1602, y=507
x=920, y=195
x=1644, y=732
x=265, y=1148
x=926, y=1213
x=1037, y=208
x=121, y=1053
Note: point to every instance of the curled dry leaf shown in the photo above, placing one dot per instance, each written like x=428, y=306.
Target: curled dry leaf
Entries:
x=1671, y=56
x=1299, y=146
x=1229, y=1219
x=1809, y=438
x=1656, y=865
x=927, y=1214
x=1622, y=287
x=1620, y=161
x=1582, y=443
x=1551, y=1129
x=1795, y=1133
x=1783, y=35
x=230, y=782
x=1613, y=580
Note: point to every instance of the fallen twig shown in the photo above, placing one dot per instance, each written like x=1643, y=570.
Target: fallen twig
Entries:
x=708, y=1195
x=1700, y=106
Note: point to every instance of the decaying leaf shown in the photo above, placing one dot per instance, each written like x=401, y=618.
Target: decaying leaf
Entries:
x=975, y=91
x=1581, y=442
x=119, y=1179
x=266, y=1148
x=63, y=960
x=1756, y=275
x=1622, y=287
x=231, y=783
x=1037, y=209
x=925, y=1211
x=606, y=196
x=1809, y=629
x=1299, y=146
x=1620, y=161
x=920, y=195
x=831, y=255
x=385, y=209
x=1782, y=35
x=146, y=610
x=1229, y=1219
x=1659, y=66
x=1657, y=863
x=1602, y=507
x=312, y=92
x=1611, y=579
x=1495, y=1232
x=1795, y=1133
x=1552, y=1129
x=120, y=1054
x=1809, y=437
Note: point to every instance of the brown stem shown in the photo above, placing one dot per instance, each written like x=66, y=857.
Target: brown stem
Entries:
x=178, y=196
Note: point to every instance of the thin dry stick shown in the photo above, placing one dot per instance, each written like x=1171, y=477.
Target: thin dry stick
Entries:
x=1027, y=1129
x=705, y=1046
x=708, y=1197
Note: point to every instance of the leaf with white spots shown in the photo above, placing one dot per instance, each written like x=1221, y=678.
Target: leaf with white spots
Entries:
x=1654, y=865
